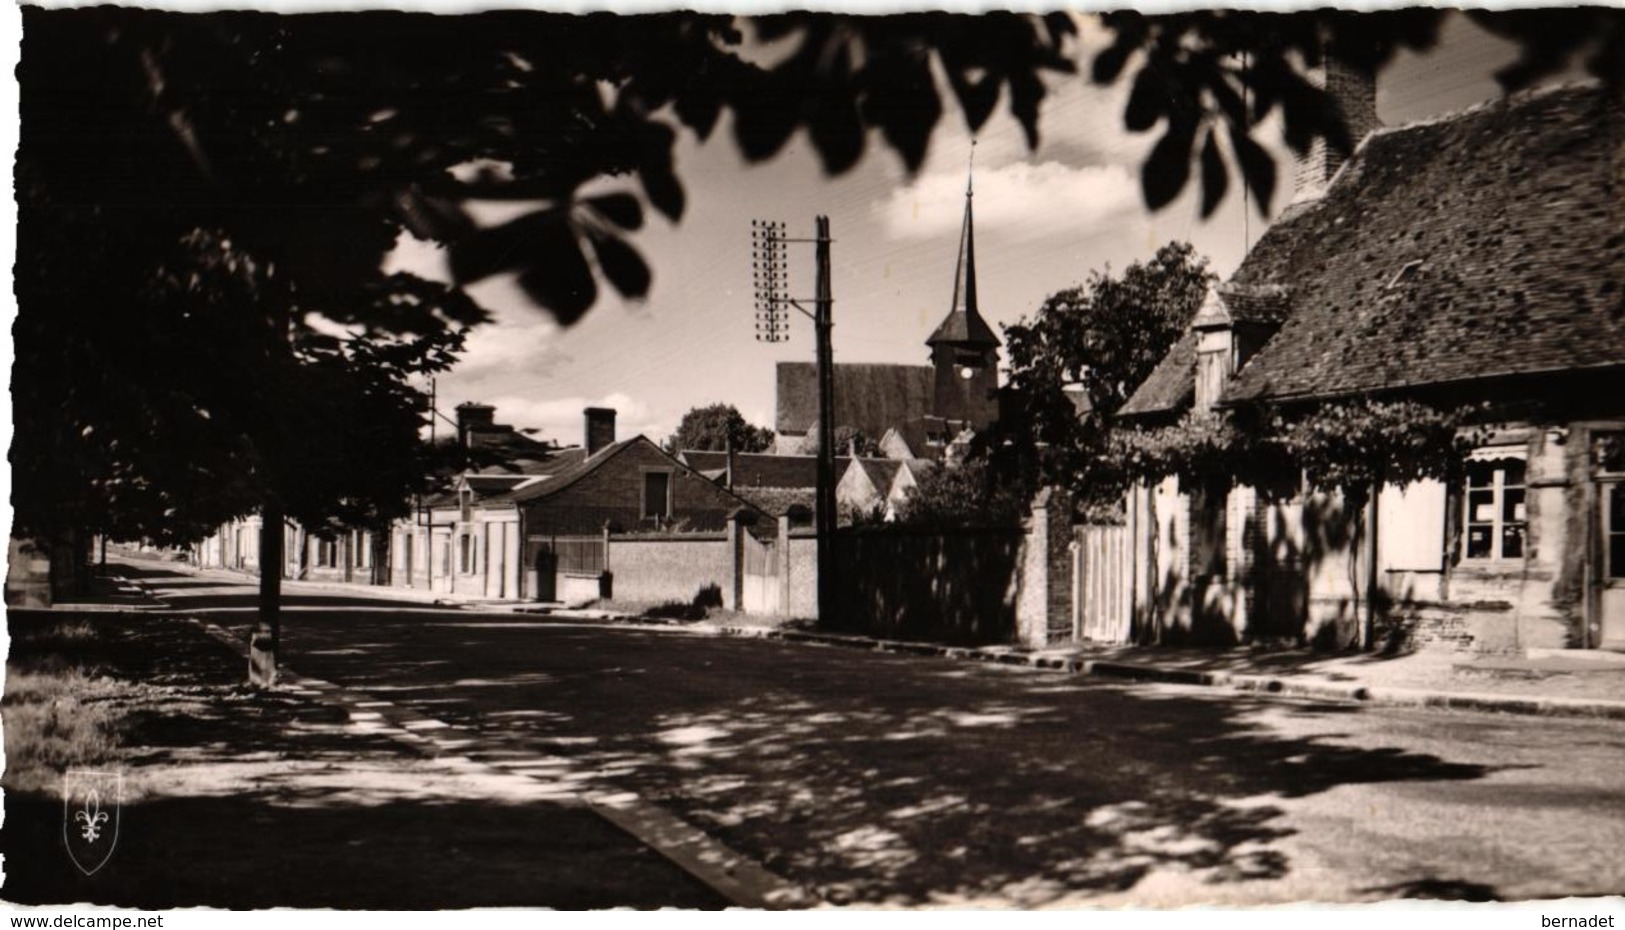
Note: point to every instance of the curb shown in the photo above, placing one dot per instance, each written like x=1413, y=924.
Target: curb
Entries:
x=1241, y=682
x=736, y=878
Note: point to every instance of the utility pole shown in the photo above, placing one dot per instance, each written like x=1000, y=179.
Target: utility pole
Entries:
x=771, y=276
x=823, y=325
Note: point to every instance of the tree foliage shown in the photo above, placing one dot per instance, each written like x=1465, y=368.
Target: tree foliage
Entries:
x=716, y=427
x=1212, y=78
x=307, y=145
x=1350, y=446
x=965, y=494
x=1096, y=342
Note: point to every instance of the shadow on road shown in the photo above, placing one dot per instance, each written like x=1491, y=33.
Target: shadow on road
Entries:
x=239, y=799
x=874, y=778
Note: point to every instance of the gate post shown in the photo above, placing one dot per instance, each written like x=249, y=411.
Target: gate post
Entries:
x=783, y=555
x=1044, y=607
x=735, y=593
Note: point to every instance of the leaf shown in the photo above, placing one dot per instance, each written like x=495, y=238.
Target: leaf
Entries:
x=698, y=106
x=431, y=219
x=1256, y=166
x=664, y=191
x=1168, y=166
x=837, y=133
x=976, y=98
x=765, y=114
x=557, y=275
x=1109, y=63
x=1026, y=93
x=1147, y=100
x=621, y=209
x=902, y=100
x=660, y=184
x=497, y=249
x=622, y=265
x=1215, y=177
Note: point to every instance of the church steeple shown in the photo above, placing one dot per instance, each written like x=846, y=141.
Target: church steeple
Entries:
x=964, y=350
x=964, y=324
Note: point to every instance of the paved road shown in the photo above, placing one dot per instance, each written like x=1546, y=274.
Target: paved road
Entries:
x=906, y=780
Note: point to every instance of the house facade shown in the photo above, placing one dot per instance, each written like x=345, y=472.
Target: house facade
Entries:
x=1472, y=262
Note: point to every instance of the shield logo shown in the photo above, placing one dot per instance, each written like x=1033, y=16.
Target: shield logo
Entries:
x=90, y=816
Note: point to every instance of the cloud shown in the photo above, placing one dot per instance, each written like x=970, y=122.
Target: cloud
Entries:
x=1017, y=199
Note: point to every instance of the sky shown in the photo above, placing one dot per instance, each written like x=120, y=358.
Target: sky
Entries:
x=1044, y=219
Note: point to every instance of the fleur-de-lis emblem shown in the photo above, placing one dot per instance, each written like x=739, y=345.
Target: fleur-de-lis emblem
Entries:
x=91, y=803
x=91, y=817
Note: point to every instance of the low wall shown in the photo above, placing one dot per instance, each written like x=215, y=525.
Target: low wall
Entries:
x=574, y=588
x=668, y=567
x=803, y=576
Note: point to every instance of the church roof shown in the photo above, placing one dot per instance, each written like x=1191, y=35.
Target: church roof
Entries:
x=964, y=324
x=872, y=398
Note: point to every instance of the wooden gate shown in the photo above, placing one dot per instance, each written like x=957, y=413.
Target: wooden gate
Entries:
x=1102, y=584
x=761, y=588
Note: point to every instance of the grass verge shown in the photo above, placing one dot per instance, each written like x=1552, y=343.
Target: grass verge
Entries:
x=57, y=712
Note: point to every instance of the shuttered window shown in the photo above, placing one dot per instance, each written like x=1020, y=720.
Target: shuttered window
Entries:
x=1411, y=526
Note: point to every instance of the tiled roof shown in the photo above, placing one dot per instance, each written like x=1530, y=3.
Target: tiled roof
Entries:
x=776, y=501
x=872, y=398
x=1257, y=303
x=492, y=484
x=760, y=469
x=568, y=475
x=1170, y=386
x=1486, y=244
x=882, y=472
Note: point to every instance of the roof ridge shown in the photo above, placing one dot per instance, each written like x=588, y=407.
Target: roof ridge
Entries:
x=1514, y=99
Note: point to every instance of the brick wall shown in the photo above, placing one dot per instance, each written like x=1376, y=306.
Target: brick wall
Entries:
x=667, y=568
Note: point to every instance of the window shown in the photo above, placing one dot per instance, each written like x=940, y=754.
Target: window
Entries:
x=465, y=554
x=361, y=549
x=1496, y=519
x=657, y=494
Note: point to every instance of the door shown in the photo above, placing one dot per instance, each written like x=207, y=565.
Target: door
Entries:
x=1611, y=566
x=547, y=566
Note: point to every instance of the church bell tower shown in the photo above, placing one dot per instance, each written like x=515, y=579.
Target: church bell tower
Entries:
x=964, y=350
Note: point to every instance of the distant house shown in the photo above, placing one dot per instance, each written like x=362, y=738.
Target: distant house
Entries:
x=452, y=543
x=619, y=486
x=910, y=411
x=1478, y=258
x=787, y=484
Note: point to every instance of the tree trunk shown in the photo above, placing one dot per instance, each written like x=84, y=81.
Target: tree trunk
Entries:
x=265, y=645
x=1368, y=633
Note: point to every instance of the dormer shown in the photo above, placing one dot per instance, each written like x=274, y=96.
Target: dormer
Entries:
x=1234, y=323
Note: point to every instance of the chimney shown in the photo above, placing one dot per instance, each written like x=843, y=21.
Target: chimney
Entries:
x=600, y=428
x=472, y=416
x=1354, y=90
